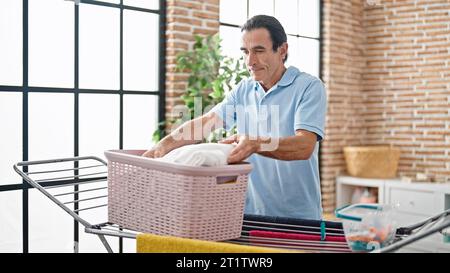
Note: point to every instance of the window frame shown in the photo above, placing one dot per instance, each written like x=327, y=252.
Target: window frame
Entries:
x=25, y=89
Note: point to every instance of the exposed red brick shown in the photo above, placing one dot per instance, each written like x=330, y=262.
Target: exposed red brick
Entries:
x=183, y=23
x=401, y=90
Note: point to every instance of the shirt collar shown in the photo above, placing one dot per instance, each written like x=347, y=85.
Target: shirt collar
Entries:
x=288, y=77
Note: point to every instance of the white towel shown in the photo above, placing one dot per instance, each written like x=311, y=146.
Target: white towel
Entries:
x=204, y=154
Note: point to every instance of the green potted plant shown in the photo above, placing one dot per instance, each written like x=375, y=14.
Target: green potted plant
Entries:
x=211, y=75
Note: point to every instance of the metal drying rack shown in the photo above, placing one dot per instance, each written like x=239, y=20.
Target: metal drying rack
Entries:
x=88, y=175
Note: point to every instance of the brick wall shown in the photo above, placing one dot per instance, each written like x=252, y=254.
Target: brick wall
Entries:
x=343, y=64
x=400, y=95
x=185, y=18
x=407, y=82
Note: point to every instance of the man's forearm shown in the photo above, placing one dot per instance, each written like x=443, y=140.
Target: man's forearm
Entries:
x=176, y=139
x=191, y=132
x=297, y=147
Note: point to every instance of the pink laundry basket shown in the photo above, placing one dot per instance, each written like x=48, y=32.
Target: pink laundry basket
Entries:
x=151, y=196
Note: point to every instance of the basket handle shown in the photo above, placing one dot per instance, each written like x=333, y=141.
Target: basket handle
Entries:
x=226, y=179
x=341, y=212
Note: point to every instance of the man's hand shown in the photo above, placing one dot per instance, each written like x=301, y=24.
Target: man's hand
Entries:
x=245, y=148
x=156, y=152
x=190, y=132
x=298, y=147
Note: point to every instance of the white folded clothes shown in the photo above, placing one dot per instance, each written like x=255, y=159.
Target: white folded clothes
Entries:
x=204, y=154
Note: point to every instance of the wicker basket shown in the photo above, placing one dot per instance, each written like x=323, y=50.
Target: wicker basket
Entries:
x=151, y=196
x=372, y=161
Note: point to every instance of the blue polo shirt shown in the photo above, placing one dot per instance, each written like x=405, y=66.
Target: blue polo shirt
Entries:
x=297, y=101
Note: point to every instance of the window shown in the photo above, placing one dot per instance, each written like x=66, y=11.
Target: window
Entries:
x=77, y=77
x=300, y=19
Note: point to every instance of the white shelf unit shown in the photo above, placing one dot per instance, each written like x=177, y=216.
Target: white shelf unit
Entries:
x=420, y=199
x=415, y=201
x=347, y=184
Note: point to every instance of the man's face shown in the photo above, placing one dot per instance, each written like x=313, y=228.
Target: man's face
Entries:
x=260, y=58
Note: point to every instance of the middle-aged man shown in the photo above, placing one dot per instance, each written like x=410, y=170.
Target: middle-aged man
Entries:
x=280, y=117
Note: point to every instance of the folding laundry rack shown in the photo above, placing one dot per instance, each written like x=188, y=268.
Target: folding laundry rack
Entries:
x=74, y=177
